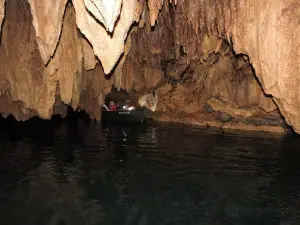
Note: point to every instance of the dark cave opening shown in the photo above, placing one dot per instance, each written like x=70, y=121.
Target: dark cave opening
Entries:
x=120, y=96
x=13, y=130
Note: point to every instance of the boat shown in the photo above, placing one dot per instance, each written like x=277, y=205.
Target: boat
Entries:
x=124, y=116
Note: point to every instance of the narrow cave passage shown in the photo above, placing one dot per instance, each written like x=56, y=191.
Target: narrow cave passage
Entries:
x=237, y=167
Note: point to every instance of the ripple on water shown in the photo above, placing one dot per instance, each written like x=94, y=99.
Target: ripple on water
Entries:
x=148, y=174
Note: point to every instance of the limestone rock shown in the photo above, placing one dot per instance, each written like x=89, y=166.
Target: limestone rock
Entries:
x=152, y=76
x=231, y=108
x=95, y=86
x=118, y=75
x=224, y=117
x=154, y=7
x=270, y=34
x=67, y=61
x=267, y=31
x=192, y=43
x=90, y=60
x=148, y=100
x=106, y=11
x=2, y=10
x=107, y=48
x=27, y=90
x=47, y=21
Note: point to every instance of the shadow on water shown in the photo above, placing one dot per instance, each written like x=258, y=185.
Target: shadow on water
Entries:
x=76, y=171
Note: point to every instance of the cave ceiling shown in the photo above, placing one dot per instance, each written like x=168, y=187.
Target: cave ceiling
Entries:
x=98, y=34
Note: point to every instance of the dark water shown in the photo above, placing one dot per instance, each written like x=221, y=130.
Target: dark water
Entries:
x=74, y=172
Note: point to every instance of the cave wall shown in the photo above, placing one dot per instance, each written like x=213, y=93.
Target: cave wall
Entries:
x=267, y=31
x=183, y=85
x=188, y=51
x=23, y=83
x=47, y=19
x=28, y=87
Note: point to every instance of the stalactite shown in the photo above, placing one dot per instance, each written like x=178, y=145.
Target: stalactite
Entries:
x=90, y=60
x=154, y=7
x=47, y=21
x=107, y=48
x=105, y=11
x=2, y=10
x=36, y=55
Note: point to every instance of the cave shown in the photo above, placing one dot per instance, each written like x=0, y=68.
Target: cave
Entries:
x=120, y=97
x=162, y=61
x=219, y=67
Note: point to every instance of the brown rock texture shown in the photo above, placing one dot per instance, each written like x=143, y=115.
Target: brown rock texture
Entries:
x=267, y=31
x=29, y=88
x=184, y=78
x=66, y=66
x=154, y=7
x=107, y=47
x=95, y=86
x=23, y=86
x=47, y=21
x=195, y=62
x=2, y=10
x=90, y=60
x=272, y=47
x=105, y=11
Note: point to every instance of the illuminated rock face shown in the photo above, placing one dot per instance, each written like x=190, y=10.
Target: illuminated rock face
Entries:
x=57, y=53
x=2, y=7
x=47, y=21
x=269, y=34
x=106, y=11
x=107, y=47
x=267, y=31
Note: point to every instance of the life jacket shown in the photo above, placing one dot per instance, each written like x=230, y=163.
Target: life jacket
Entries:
x=113, y=108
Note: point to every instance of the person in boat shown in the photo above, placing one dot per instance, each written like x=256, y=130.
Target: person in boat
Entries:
x=128, y=106
x=112, y=106
x=105, y=107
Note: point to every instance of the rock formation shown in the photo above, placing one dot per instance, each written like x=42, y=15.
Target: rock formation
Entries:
x=192, y=61
x=2, y=7
x=105, y=11
x=107, y=47
x=47, y=21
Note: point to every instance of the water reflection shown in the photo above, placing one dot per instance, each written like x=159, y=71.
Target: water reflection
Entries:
x=79, y=172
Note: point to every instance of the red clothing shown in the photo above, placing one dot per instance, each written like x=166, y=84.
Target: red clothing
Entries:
x=113, y=108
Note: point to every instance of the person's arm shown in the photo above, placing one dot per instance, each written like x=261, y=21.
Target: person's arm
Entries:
x=105, y=106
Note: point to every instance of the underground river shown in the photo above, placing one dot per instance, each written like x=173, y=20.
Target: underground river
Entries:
x=73, y=171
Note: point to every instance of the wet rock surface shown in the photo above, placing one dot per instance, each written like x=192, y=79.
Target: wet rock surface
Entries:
x=187, y=56
x=224, y=117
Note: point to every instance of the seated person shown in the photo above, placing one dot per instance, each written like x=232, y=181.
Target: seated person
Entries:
x=112, y=106
x=128, y=106
x=105, y=106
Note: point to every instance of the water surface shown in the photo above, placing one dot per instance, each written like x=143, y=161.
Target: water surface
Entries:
x=73, y=172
